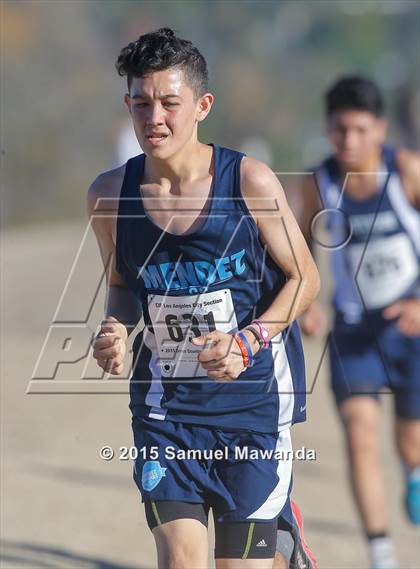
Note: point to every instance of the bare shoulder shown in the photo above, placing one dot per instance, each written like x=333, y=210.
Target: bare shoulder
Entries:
x=258, y=180
x=261, y=190
x=408, y=163
x=104, y=192
x=408, y=159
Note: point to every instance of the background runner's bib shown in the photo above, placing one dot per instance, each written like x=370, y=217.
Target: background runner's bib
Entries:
x=384, y=269
x=177, y=320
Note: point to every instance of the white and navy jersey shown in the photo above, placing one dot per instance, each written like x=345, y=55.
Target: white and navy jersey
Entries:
x=376, y=262
x=220, y=277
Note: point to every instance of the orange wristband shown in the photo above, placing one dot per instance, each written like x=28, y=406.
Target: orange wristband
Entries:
x=244, y=351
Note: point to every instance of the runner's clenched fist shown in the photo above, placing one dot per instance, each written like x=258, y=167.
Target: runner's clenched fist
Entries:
x=109, y=346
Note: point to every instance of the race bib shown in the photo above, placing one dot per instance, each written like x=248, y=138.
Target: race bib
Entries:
x=177, y=320
x=389, y=267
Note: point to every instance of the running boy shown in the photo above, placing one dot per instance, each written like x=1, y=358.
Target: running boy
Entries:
x=219, y=364
x=374, y=228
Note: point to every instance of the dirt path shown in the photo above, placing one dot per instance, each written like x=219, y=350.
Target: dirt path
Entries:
x=62, y=506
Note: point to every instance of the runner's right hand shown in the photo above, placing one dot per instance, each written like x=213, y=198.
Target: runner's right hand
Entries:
x=109, y=346
x=313, y=322
x=407, y=315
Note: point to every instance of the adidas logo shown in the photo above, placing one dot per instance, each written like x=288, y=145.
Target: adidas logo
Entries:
x=261, y=544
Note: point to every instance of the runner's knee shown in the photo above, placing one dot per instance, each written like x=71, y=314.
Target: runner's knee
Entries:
x=361, y=438
x=181, y=556
x=360, y=419
x=180, y=549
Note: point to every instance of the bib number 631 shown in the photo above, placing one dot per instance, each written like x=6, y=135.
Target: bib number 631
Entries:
x=176, y=331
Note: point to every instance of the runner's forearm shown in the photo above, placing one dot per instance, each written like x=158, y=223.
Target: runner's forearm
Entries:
x=122, y=305
x=293, y=299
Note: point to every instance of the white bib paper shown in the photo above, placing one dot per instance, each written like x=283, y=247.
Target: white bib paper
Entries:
x=389, y=267
x=177, y=320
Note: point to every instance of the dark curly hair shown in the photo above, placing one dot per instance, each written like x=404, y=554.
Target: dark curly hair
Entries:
x=354, y=92
x=161, y=50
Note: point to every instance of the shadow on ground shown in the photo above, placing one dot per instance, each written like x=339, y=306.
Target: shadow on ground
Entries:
x=22, y=554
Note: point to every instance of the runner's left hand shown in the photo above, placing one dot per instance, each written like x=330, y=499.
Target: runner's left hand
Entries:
x=407, y=312
x=221, y=356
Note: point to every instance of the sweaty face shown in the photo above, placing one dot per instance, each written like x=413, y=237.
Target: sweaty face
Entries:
x=355, y=136
x=164, y=112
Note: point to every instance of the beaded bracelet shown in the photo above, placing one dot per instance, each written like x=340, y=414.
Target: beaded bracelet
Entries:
x=245, y=348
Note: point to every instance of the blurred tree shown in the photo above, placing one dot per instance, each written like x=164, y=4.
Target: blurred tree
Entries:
x=270, y=63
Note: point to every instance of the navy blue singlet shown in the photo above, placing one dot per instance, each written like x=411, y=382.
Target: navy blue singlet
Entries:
x=218, y=277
